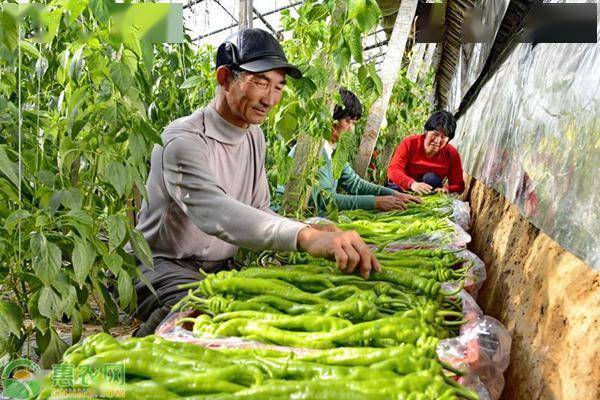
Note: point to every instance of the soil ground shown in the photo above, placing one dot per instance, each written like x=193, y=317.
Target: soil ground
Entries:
x=547, y=298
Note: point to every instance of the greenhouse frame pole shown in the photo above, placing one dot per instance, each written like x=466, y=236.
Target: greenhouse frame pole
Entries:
x=297, y=192
x=245, y=15
x=389, y=72
x=416, y=61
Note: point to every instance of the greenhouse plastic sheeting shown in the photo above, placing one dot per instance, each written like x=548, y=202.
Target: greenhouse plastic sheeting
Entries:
x=533, y=134
x=472, y=56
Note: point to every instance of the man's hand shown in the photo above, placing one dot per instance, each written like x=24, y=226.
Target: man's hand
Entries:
x=408, y=198
x=420, y=188
x=326, y=227
x=387, y=203
x=347, y=248
x=442, y=190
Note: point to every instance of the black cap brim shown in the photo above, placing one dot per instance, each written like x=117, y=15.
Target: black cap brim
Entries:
x=268, y=64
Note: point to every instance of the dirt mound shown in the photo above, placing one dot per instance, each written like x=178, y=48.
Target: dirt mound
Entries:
x=548, y=299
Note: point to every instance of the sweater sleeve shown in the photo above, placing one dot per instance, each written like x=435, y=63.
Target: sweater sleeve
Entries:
x=326, y=191
x=352, y=183
x=192, y=186
x=456, y=182
x=397, y=169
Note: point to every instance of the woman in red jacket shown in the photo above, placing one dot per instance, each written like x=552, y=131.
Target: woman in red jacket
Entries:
x=422, y=163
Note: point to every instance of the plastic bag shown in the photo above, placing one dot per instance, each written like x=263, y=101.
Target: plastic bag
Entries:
x=483, y=350
x=477, y=273
x=461, y=214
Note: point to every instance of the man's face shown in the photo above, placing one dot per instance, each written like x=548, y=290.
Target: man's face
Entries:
x=251, y=96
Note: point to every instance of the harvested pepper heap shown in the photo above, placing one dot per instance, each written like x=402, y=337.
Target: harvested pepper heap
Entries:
x=315, y=306
x=345, y=337
x=161, y=369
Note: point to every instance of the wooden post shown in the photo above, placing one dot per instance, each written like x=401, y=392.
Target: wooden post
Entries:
x=245, y=15
x=416, y=61
x=308, y=148
x=427, y=62
x=389, y=73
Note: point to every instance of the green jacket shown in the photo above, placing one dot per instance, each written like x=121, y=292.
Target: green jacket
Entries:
x=361, y=194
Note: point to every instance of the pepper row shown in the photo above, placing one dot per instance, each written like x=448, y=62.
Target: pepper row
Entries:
x=160, y=369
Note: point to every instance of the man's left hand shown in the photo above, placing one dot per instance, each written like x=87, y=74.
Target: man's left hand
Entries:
x=442, y=190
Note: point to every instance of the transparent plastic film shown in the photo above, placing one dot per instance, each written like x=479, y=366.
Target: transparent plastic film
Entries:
x=532, y=134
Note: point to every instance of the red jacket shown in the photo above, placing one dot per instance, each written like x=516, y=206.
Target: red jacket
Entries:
x=410, y=163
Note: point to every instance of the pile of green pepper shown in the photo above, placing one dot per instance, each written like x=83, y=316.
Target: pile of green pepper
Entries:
x=337, y=336
x=161, y=369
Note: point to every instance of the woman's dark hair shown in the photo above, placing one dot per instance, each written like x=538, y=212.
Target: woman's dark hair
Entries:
x=441, y=121
x=352, y=108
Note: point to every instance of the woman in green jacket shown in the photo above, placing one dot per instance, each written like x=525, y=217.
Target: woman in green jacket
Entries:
x=360, y=194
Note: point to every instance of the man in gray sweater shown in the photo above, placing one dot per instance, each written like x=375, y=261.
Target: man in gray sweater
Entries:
x=207, y=189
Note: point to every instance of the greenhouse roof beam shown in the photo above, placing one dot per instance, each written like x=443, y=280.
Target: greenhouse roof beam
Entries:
x=234, y=25
x=264, y=21
x=376, y=45
x=226, y=10
x=192, y=3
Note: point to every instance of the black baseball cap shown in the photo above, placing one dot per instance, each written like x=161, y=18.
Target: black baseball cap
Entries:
x=254, y=50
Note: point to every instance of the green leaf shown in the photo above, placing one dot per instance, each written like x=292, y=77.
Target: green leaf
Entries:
x=66, y=155
x=117, y=229
x=28, y=48
x=107, y=304
x=41, y=66
x=116, y=174
x=141, y=248
x=286, y=123
x=83, y=258
x=113, y=262
x=79, y=217
x=341, y=58
x=11, y=317
x=356, y=8
x=147, y=54
x=137, y=146
x=15, y=218
x=125, y=288
x=352, y=36
x=376, y=79
x=49, y=304
x=8, y=190
x=47, y=258
x=192, y=82
x=150, y=134
x=54, y=350
x=52, y=21
x=41, y=323
x=8, y=27
x=100, y=10
x=8, y=167
x=365, y=13
x=77, y=63
x=121, y=77
x=72, y=198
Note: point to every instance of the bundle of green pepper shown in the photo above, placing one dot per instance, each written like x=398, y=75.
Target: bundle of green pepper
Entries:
x=316, y=306
x=160, y=369
x=437, y=205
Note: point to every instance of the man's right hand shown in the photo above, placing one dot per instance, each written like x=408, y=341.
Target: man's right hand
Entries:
x=347, y=249
x=420, y=188
x=388, y=203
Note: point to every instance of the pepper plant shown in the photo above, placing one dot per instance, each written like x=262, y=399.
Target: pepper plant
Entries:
x=325, y=38
x=79, y=113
